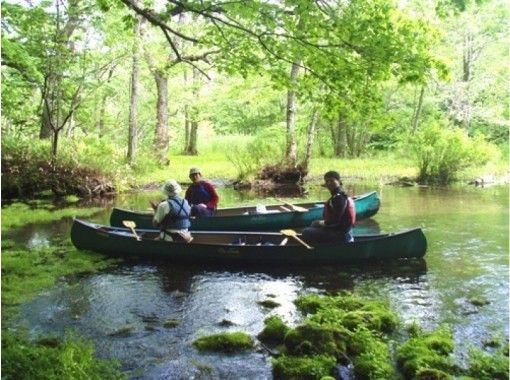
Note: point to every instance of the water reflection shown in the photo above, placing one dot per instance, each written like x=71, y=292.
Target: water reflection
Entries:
x=127, y=311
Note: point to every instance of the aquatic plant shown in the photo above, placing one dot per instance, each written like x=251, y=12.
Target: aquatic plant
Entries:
x=274, y=330
x=224, y=342
x=171, y=323
x=303, y=368
x=489, y=366
x=426, y=351
x=311, y=338
x=19, y=214
x=68, y=358
x=371, y=355
x=268, y=303
x=43, y=266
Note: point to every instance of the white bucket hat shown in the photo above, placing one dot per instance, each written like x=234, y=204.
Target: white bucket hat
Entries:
x=194, y=171
x=171, y=188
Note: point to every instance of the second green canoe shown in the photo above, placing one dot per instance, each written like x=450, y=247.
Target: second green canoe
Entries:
x=270, y=217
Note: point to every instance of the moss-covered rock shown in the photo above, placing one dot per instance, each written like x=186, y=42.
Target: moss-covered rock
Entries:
x=274, y=331
x=313, y=339
x=371, y=355
x=426, y=351
x=303, y=368
x=224, y=342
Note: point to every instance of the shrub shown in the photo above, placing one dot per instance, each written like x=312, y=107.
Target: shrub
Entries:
x=442, y=151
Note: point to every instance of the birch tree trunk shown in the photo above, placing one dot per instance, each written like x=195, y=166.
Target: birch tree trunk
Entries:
x=291, y=151
x=310, y=138
x=133, y=100
x=191, y=148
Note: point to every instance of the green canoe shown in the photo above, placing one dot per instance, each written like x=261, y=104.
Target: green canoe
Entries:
x=228, y=247
x=248, y=219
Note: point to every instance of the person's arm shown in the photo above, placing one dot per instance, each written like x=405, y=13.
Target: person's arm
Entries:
x=213, y=203
x=339, y=207
x=159, y=215
x=187, y=195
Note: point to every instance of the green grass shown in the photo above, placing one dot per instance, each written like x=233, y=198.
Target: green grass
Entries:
x=380, y=167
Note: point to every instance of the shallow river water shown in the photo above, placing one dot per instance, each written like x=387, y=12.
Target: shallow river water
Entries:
x=127, y=310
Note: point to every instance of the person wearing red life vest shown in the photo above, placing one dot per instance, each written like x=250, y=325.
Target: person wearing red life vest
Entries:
x=339, y=215
x=201, y=195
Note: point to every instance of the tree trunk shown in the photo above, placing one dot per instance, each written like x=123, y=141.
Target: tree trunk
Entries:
x=417, y=113
x=133, y=101
x=187, y=127
x=54, y=145
x=45, y=131
x=291, y=151
x=102, y=108
x=191, y=148
x=161, y=137
x=310, y=137
x=340, y=136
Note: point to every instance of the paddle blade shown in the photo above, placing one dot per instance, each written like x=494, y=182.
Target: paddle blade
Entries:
x=129, y=223
x=288, y=232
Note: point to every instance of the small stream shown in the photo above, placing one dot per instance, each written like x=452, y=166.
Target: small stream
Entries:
x=147, y=314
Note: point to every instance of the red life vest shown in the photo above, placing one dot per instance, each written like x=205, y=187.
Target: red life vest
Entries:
x=349, y=214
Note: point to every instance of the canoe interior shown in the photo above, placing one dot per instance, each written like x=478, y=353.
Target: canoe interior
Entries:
x=224, y=237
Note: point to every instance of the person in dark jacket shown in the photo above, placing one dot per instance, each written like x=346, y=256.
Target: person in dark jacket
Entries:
x=339, y=215
x=201, y=195
x=172, y=215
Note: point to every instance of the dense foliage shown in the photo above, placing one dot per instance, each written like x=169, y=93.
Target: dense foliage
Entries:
x=300, y=79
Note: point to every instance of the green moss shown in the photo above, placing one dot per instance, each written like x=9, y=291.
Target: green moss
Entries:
x=312, y=303
x=269, y=304
x=432, y=374
x=488, y=366
x=71, y=198
x=224, y=342
x=479, y=301
x=313, y=339
x=171, y=323
x=42, y=266
x=69, y=358
x=303, y=368
x=371, y=355
x=426, y=351
x=274, y=331
x=123, y=331
x=19, y=214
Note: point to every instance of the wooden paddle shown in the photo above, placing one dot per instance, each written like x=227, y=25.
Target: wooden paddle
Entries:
x=131, y=225
x=293, y=234
x=293, y=207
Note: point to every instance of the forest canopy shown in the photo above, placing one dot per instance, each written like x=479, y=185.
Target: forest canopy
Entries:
x=118, y=86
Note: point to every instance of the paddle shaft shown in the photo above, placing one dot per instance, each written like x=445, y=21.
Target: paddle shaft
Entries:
x=302, y=241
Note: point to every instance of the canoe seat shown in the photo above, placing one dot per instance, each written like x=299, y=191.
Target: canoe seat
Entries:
x=284, y=241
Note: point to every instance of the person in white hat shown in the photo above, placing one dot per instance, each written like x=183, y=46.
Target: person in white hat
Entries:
x=201, y=195
x=172, y=215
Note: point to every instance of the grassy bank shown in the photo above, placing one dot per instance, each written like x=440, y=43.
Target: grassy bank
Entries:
x=381, y=167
